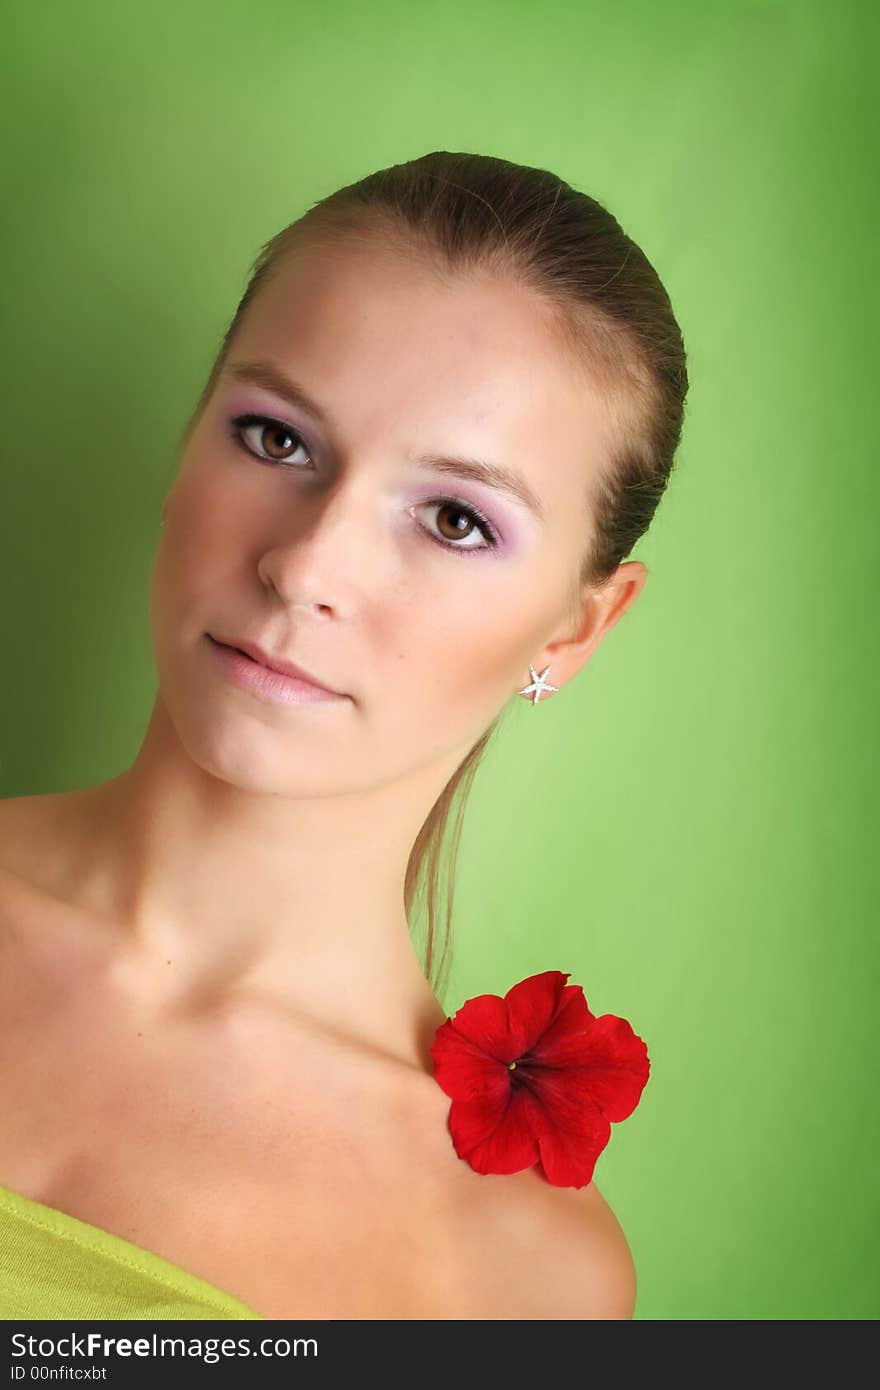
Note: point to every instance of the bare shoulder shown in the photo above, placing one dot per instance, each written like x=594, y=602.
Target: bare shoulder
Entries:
x=23, y=831
x=35, y=848
x=37, y=840
x=564, y=1256
x=19, y=850
x=600, y=1274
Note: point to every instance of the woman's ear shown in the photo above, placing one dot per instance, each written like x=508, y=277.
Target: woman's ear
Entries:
x=598, y=610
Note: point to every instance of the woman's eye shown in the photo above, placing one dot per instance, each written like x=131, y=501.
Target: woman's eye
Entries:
x=458, y=524
x=267, y=439
x=272, y=440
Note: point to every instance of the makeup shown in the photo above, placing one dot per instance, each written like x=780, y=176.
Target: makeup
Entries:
x=266, y=683
x=500, y=520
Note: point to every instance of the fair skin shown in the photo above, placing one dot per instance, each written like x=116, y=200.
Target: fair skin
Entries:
x=219, y=975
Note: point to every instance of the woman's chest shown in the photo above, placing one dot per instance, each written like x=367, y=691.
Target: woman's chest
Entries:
x=314, y=1190
x=297, y=1218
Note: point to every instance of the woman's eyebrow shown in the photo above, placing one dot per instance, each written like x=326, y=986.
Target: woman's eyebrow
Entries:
x=271, y=379
x=493, y=475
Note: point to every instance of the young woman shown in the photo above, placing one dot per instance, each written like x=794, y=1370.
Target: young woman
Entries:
x=443, y=413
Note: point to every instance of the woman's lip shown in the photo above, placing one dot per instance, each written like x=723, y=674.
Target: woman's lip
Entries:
x=285, y=668
x=272, y=685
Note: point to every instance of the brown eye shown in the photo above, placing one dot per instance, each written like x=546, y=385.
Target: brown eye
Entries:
x=280, y=440
x=268, y=439
x=461, y=524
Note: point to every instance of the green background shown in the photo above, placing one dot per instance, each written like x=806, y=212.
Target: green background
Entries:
x=688, y=830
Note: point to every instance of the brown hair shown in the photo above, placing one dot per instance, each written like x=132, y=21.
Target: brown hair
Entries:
x=463, y=213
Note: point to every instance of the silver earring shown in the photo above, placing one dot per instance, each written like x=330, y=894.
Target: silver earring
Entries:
x=539, y=684
x=162, y=522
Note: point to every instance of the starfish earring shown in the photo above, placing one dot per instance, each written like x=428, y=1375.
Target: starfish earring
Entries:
x=539, y=684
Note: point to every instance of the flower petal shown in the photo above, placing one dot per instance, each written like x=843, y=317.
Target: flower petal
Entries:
x=573, y=1135
x=483, y=1020
x=531, y=1006
x=571, y=1019
x=463, y=1070
x=608, y=1061
x=496, y=1139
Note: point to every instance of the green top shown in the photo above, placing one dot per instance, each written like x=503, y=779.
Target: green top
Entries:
x=53, y=1265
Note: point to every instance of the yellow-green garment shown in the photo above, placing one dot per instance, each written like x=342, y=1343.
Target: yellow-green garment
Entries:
x=53, y=1265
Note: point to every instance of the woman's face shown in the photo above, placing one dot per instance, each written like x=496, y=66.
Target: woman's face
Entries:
x=335, y=542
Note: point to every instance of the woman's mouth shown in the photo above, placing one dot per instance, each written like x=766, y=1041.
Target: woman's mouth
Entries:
x=242, y=670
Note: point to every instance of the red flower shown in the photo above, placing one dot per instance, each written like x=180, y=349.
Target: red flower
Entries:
x=536, y=1078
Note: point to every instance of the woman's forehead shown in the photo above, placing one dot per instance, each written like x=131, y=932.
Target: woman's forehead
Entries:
x=391, y=301
x=376, y=337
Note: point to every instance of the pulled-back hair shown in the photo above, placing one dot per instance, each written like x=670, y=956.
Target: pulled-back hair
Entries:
x=472, y=214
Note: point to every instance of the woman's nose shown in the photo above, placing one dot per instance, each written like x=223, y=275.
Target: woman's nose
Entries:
x=325, y=549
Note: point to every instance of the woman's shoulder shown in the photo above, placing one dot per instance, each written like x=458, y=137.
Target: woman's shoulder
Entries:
x=516, y=1245
x=596, y=1262
x=27, y=838
x=566, y=1255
